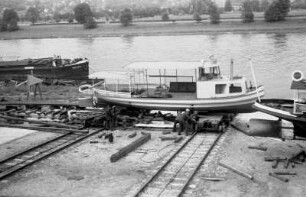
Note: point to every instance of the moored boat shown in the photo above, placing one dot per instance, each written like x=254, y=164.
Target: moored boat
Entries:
x=46, y=68
x=176, y=86
x=292, y=110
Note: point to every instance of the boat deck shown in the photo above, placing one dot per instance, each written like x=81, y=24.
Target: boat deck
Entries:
x=153, y=93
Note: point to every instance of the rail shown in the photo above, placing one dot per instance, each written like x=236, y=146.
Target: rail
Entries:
x=185, y=162
x=18, y=161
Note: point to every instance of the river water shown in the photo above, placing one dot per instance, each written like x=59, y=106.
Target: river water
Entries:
x=274, y=56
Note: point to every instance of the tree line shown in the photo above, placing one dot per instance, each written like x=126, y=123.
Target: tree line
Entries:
x=277, y=10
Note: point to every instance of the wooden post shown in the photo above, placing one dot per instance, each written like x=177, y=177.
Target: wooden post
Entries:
x=131, y=147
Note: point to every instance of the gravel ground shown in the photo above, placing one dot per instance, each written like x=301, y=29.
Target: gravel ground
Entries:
x=85, y=169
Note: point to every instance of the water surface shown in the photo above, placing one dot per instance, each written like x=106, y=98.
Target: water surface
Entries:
x=274, y=56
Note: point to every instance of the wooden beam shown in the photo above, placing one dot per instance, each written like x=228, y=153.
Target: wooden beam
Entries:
x=131, y=147
x=39, y=122
x=236, y=171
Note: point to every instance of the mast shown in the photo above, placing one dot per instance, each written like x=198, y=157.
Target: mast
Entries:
x=254, y=78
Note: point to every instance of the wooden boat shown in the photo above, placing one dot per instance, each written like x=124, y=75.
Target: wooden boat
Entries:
x=175, y=86
x=46, y=68
x=292, y=110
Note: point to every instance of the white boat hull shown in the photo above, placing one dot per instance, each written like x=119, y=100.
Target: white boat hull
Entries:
x=237, y=104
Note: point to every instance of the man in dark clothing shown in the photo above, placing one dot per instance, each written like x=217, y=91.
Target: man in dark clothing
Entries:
x=108, y=117
x=181, y=119
x=192, y=121
x=114, y=114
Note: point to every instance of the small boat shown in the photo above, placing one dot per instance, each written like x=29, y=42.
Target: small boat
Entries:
x=292, y=110
x=174, y=86
x=45, y=68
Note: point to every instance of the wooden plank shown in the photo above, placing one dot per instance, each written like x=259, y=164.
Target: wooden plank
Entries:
x=131, y=147
x=279, y=177
x=236, y=171
x=163, y=138
x=132, y=134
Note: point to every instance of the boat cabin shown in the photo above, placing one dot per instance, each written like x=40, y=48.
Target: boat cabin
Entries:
x=299, y=88
x=177, y=80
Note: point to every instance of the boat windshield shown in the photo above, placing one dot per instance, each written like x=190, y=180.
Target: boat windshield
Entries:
x=209, y=73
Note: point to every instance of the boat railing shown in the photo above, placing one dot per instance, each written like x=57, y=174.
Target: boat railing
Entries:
x=113, y=94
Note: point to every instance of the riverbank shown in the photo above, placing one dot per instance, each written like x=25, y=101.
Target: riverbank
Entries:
x=293, y=24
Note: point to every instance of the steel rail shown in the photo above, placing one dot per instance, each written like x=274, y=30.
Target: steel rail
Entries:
x=163, y=166
x=200, y=164
x=182, y=190
x=45, y=154
x=32, y=148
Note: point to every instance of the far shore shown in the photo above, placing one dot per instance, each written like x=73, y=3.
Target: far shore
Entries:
x=292, y=24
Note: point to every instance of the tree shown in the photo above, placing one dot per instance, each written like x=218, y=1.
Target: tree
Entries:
x=90, y=23
x=10, y=14
x=126, y=17
x=13, y=25
x=277, y=11
x=246, y=12
x=298, y=4
x=198, y=7
x=213, y=13
x=70, y=20
x=228, y=6
x=197, y=17
x=81, y=12
x=264, y=5
x=284, y=6
x=32, y=15
x=57, y=17
x=165, y=16
x=3, y=26
x=255, y=5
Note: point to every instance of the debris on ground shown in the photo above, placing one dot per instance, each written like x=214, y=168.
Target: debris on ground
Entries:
x=278, y=177
x=258, y=148
x=236, y=170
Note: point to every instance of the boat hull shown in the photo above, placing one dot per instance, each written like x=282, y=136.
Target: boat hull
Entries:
x=77, y=71
x=238, y=104
x=282, y=108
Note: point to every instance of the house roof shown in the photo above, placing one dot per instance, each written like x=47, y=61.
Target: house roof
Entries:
x=298, y=85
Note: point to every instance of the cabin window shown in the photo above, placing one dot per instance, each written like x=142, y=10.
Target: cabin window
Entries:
x=235, y=88
x=220, y=88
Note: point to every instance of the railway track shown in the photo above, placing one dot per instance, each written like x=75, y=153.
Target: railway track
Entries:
x=18, y=161
x=174, y=176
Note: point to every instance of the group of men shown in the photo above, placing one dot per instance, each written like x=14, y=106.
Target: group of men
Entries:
x=187, y=121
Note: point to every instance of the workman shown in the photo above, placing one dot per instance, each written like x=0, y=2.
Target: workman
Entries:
x=181, y=119
x=192, y=121
x=113, y=113
x=108, y=117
